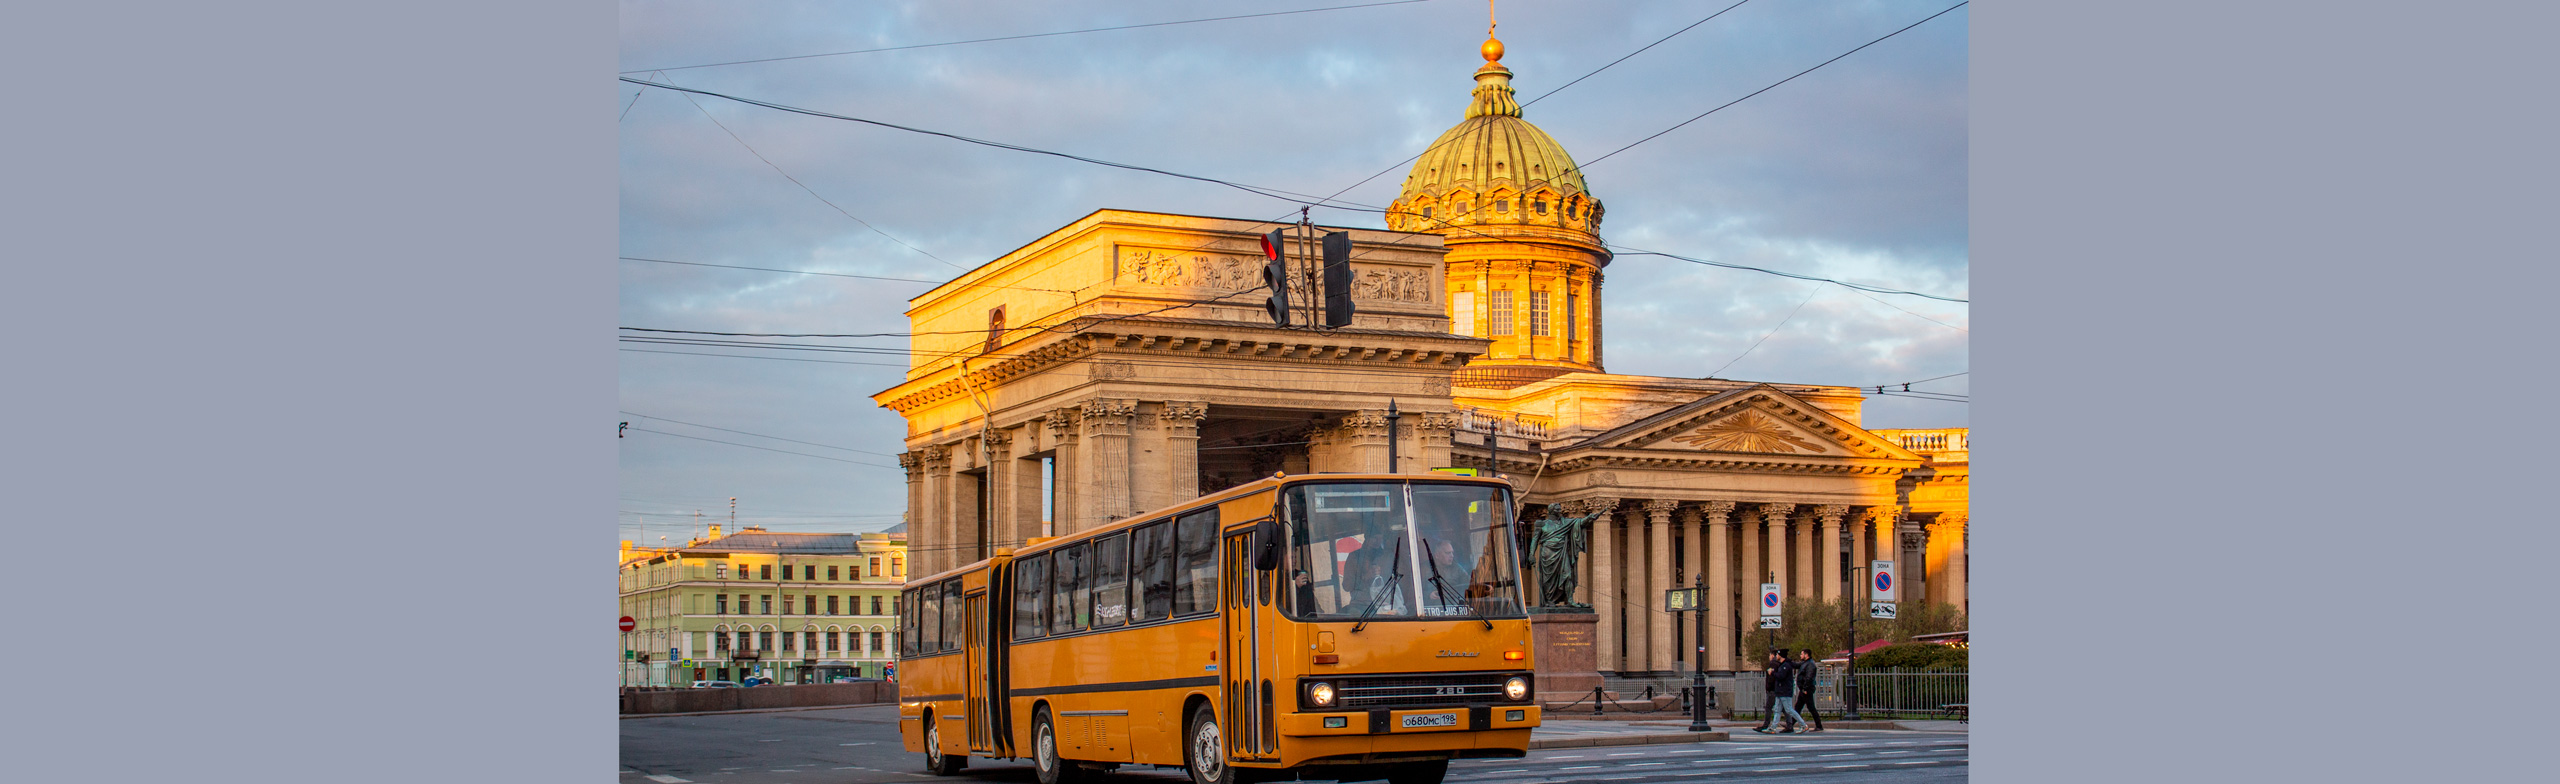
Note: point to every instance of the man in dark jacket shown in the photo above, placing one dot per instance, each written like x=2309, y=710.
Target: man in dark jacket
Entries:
x=1778, y=683
x=1805, y=671
x=1771, y=687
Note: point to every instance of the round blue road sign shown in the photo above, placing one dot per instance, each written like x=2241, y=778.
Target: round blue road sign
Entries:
x=1884, y=581
x=1768, y=600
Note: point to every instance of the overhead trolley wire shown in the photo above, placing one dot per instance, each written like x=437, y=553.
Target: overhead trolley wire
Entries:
x=1027, y=35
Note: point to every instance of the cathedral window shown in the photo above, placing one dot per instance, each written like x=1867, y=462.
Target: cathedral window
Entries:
x=1573, y=212
x=1540, y=206
x=995, y=328
x=1502, y=205
x=1499, y=315
x=1538, y=314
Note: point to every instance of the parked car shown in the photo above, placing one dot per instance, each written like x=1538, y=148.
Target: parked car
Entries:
x=715, y=684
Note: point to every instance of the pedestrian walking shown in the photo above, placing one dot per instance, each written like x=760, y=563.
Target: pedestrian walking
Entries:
x=1806, y=670
x=1780, y=682
x=1769, y=695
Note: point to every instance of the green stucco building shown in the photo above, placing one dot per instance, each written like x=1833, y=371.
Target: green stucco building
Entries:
x=794, y=607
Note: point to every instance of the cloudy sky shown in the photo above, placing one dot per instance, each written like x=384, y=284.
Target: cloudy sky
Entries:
x=1854, y=172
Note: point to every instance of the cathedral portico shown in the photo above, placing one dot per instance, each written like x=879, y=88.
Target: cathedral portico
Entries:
x=1127, y=358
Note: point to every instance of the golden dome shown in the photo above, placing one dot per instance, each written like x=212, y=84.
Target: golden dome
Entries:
x=1494, y=169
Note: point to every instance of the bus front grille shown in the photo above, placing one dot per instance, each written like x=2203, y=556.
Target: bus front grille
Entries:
x=1420, y=691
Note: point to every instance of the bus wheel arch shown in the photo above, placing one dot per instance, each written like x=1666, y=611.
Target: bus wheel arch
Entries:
x=1048, y=761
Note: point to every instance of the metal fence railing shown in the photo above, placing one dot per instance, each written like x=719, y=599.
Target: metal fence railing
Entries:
x=1883, y=694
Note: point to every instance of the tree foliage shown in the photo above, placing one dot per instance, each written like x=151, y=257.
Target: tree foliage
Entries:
x=1824, y=628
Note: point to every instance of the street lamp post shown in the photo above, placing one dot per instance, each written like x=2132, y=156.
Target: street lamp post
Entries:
x=1698, y=661
x=1849, y=674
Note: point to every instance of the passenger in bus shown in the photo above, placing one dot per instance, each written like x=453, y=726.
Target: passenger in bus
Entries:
x=1376, y=577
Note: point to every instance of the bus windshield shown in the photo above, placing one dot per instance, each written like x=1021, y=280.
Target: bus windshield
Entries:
x=1400, y=550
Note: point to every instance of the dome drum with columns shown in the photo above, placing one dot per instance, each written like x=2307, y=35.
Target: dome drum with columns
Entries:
x=1522, y=231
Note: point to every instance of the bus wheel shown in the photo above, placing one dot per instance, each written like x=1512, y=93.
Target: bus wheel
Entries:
x=936, y=762
x=1044, y=751
x=1419, y=772
x=1205, y=754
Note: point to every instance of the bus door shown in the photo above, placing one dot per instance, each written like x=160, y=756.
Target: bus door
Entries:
x=1245, y=687
x=973, y=689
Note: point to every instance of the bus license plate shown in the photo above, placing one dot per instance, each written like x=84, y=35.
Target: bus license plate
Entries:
x=1431, y=720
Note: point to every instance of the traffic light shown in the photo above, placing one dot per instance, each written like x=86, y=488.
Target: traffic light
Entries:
x=1275, y=273
x=1337, y=279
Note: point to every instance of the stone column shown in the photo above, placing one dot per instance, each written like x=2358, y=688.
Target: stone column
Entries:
x=1808, y=582
x=943, y=540
x=999, y=487
x=1693, y=529
x=1746, y=579
x=1068, y=483
x=1659, y=512
x=1582, y=569
x=1775, y=517
x=1025, y=515
x=915, y=498
x=1150, y=460
x=1826, y=545
x=1946, y=559
x=1604, y=579
x=1907, y=560
x=1856, y=536
x=1431, y=441
x=1719, y=599
x=1638, y=622
x=1182, y=446
x=1107, y=471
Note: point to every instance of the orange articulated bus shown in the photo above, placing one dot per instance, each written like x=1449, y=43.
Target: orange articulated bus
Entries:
x=1343, y=627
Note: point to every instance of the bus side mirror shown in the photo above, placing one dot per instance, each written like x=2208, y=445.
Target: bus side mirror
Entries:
x=1266, y=545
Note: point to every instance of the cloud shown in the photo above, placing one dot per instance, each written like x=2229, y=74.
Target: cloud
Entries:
x=1856, y=171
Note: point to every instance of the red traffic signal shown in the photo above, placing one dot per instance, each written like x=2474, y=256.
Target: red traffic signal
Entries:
x=1275, y=274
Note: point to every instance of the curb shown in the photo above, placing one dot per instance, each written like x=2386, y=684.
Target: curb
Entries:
x=1630, y=740
x=749, y=710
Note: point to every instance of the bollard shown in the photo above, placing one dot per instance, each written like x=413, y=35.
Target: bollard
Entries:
x=1711, y=697
x=1598, y=697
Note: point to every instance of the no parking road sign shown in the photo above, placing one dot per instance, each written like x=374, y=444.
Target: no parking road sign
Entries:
x=1881, y=590
x=1770, y=596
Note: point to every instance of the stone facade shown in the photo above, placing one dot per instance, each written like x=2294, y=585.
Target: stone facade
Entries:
x=1129, y=356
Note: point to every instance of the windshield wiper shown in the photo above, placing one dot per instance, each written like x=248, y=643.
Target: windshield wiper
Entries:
x=1440, y=587
x=1395, y=569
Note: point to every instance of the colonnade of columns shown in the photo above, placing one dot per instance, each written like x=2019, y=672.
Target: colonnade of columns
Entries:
x=1641, y=548
x=1111, y=458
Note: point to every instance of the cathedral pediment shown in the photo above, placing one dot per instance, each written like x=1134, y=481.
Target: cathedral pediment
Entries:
x=1755, y=421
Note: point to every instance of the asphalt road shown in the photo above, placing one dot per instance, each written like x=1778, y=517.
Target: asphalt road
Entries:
x=859, y=745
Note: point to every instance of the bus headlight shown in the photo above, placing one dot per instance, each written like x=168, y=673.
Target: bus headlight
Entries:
x=1516, y=688
x=1320, y=692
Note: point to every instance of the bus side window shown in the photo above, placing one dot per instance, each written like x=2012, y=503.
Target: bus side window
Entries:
x=1030, y=595
x=1070, y=608
x=952, y=613
x=933, y=621
x=1196, y=580
x=1151, y=571
x=1111, y=581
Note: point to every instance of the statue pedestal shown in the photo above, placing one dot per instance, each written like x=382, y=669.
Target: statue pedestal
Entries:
x=1568, y=662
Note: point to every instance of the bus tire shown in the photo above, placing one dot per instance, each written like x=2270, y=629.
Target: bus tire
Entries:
x=936, y=762
x=1419, y=772
x=1052, y=768
x=1204, y=753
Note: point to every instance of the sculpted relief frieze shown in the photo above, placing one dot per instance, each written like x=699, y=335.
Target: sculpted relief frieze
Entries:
x=1177, y=269
x=1748, y=432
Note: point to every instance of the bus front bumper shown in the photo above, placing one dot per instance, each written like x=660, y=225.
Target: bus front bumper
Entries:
x=1418, y=721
